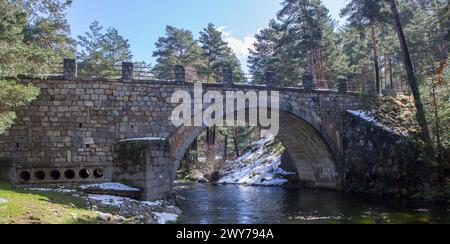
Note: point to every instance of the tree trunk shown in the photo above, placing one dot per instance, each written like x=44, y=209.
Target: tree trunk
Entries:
x=236, y=144
x=375, y=58
x=213, y=135
x=436, y=118
x=312, y=68
x=391, y=80
x=412, y=79
x=209, y=70
x=386, y=70
x=225, y=148
x=195, y=149
x=208, y=136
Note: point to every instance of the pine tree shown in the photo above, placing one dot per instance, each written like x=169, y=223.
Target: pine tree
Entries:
x=13, y=96
x=303, y=41
x=412, y=78
x=263, y=56
x=33, y=35
x=214, y=49
x=102, y=52
x=269, y=55
x=231, y=60
x=217, y=54
x=356, y=48
x=177, y=47
x=305, y=23
x=48, y=26
x=367, y=15
x=115, y=48
x=91, y=48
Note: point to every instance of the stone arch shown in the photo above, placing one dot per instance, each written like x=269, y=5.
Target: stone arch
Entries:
x=314, y=145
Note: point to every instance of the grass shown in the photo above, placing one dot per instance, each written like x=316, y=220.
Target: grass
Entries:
x=31, y=207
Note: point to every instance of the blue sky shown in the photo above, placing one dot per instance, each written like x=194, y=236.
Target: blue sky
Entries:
x=143, y=21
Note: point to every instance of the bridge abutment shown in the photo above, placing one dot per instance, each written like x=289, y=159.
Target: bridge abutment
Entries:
x=146, y=164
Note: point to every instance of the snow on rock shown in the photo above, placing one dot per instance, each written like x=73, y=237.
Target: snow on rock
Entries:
x=110, y=186
x=370, y=117
x=164, y=218
x=153, y=204
x=60, y=190
x=3, y=201
x=141, y=211
x=363, y=115
x=115, y=201
x=258, y=167
x=144, y=139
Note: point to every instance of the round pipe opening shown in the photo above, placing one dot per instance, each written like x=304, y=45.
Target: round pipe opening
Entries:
x=98, y=173
x=69, y=174
x=25, y=176
x=55, y=175
x=40, y=175
x=84, y=173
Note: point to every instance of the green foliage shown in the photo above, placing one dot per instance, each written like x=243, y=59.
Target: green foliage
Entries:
x=303, y=40
x=269, y=55
x=33, y=34
x=177, y=47
x=102, y=52
x=6, y=120
x=203, y=59
x=217, y=54
x=12, y=96
x=436, y=98
x=364, y=13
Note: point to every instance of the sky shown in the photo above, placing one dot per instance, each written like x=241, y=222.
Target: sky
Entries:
x=142, y=22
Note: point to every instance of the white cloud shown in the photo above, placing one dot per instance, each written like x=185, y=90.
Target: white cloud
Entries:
x=239, y=46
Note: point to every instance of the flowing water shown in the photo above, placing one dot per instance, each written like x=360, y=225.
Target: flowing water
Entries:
x=234, y=204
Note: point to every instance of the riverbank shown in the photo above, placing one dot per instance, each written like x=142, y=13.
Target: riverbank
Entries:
x=71, y=205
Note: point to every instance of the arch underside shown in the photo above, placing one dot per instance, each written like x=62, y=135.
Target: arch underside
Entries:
x=310, y=152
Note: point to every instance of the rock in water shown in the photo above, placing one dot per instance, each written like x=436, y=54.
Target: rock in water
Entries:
x=3, y=201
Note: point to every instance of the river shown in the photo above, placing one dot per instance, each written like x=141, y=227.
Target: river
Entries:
x=235, y=204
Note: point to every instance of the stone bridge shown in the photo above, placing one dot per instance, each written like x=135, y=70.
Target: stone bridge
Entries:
x=96, y=130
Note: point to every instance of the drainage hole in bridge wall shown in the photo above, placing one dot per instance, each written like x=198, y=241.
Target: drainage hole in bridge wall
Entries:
x=55, y=175
x=98, y=173
x=40, y=175
x=25, y=176
x=84, y=173
x=69, y=174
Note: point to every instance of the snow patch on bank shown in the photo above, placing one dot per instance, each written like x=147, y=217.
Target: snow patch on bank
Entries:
x=60, y=190
x=258, y=167
x=370, y=117
x=164, y=218
x=112, y=201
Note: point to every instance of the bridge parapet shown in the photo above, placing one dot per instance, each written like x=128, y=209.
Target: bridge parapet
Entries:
x=130, y=73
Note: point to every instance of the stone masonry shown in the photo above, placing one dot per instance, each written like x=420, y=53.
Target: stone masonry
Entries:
x=77, y=122
x=145, y=164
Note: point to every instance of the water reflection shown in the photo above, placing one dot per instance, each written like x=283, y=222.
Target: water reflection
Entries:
x=232, y=204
